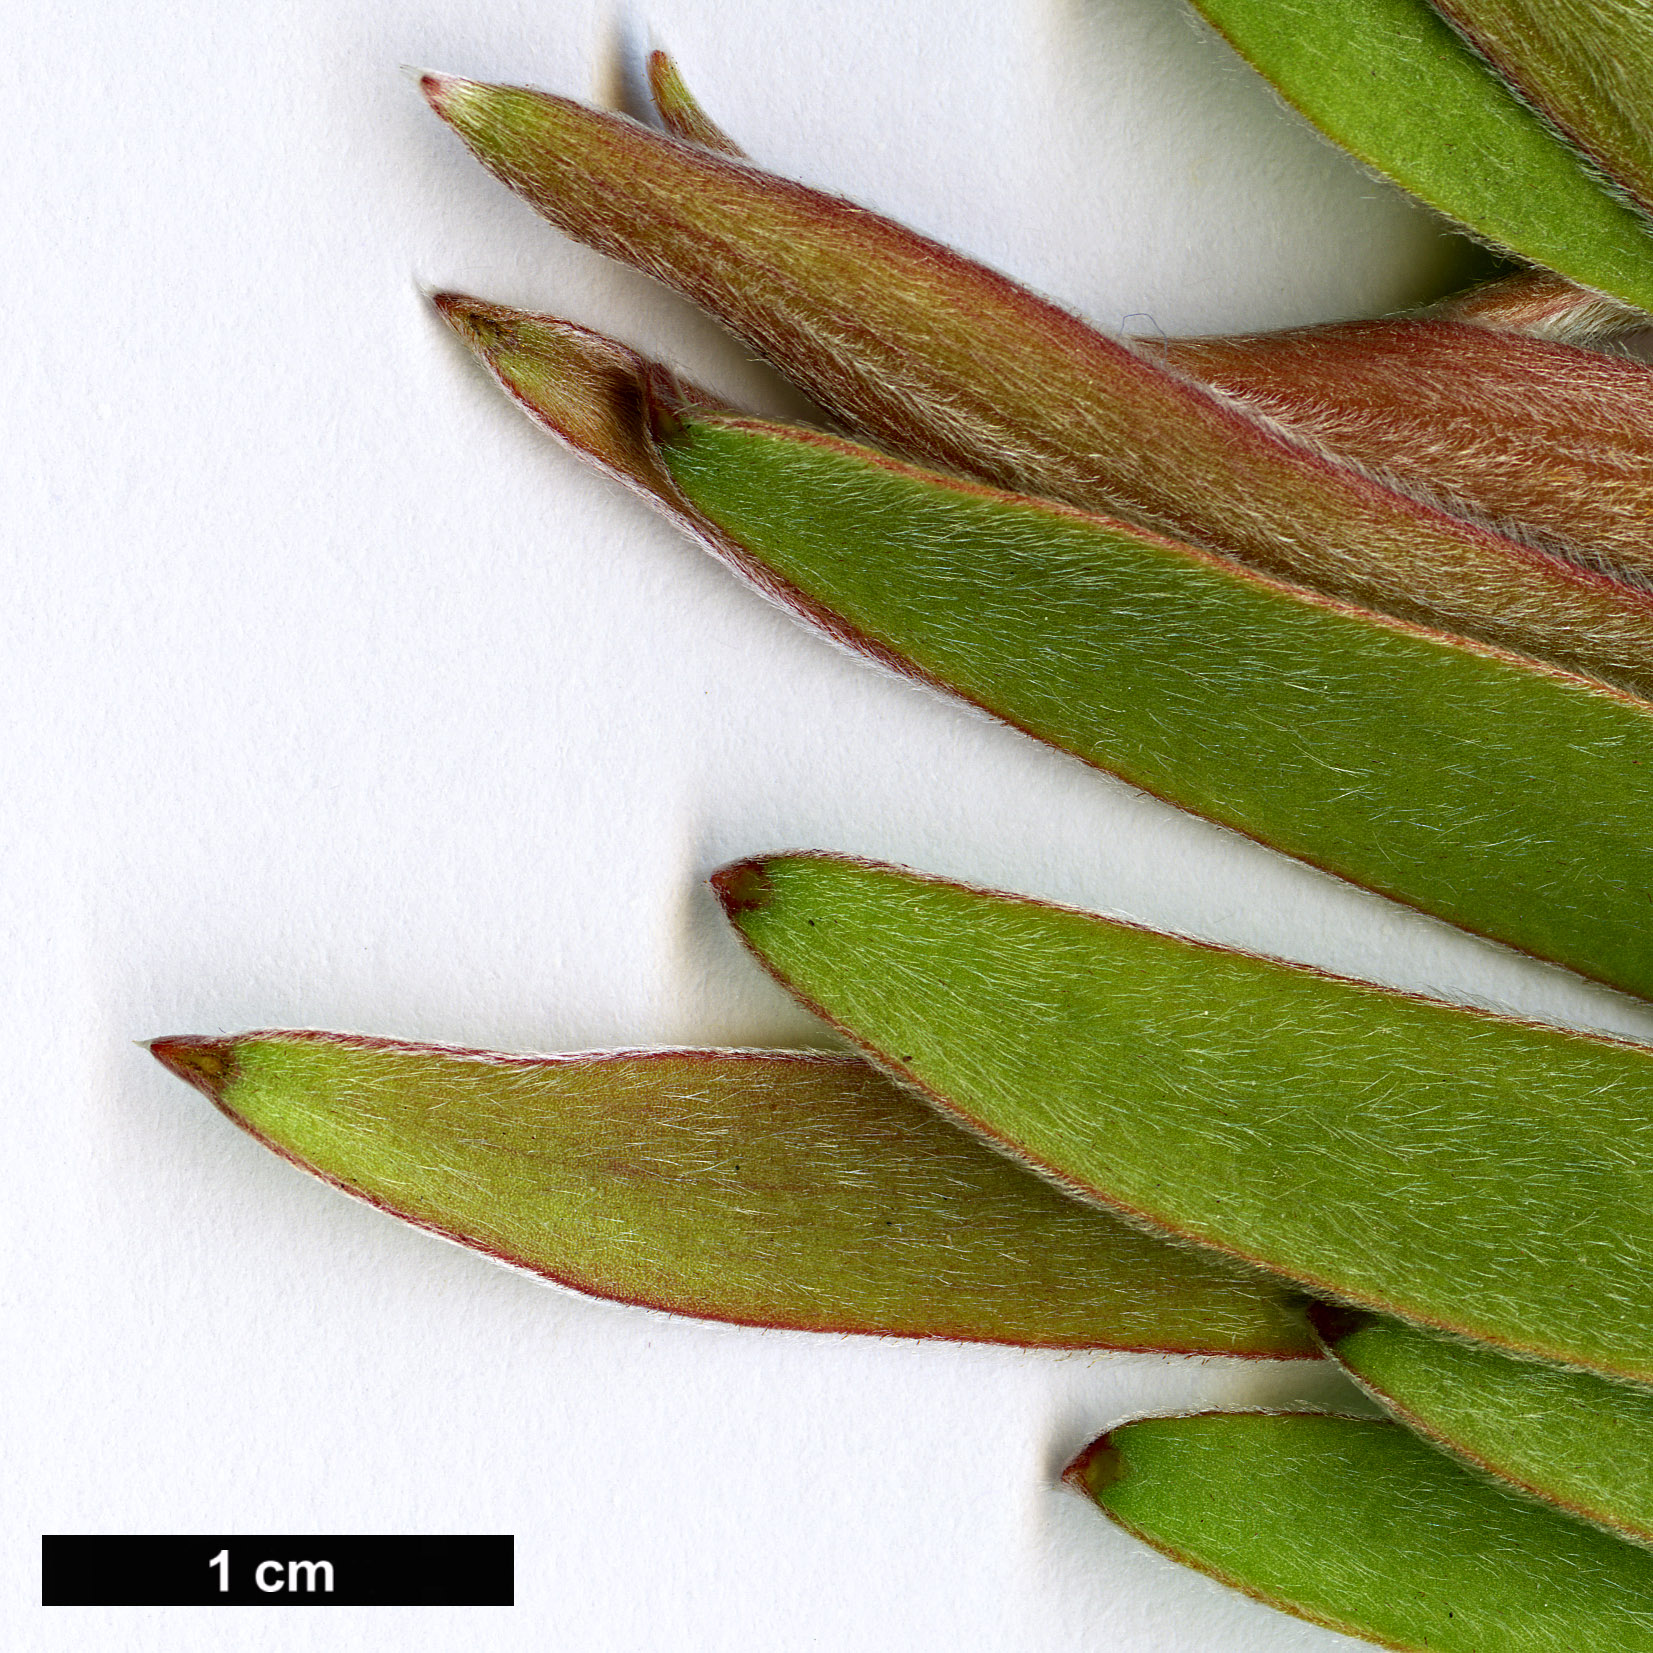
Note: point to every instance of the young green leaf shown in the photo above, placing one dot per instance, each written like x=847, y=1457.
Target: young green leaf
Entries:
x=1500, y=795
x=1490, y=1177
x=1392, y=83
x=942, y=359
x=1570, y=1438
x=1538, y=303
x=1355, y=1524
x=777, y=1189
x=1586, y=65
x=1551, y=442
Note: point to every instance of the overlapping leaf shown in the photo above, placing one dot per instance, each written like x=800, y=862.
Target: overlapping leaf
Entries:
x=944, y=360
x=1570, y=1438
x=1391, y=83
x=1498, y=794
x=1489, y=1177
x=1585, y=65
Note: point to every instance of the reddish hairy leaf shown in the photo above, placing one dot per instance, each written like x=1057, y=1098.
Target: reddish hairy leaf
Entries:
x=945, y=360
x=1553, y=443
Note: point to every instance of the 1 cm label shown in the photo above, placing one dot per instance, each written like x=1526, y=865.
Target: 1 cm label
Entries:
x=273, y=1577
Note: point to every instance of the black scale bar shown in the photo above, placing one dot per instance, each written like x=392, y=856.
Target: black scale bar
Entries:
x=278, y=1571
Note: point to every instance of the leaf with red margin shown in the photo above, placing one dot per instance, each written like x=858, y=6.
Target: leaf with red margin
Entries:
x=1477, y=404
x=1390, y=82
x=1355, y=1524
x=943, y=360
x=1552, y=443
x=1585, y=65
x=1535, y=302
x=790, y=1189
x=1485, y=1176
x=1489, y=790
x=1569, y=1438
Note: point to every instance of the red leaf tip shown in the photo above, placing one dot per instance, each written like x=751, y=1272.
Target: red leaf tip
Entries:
x=743, y=887
x=1332, y=1322
x=438, y=88
x=481, y=325
x=1097, y=1468
x=207, y=1064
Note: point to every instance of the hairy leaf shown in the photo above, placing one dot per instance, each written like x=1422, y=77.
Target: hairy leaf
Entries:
x=1391, y=83
x=681, y=113
x=1539, y=303
x=1490, y=1177
x=942, y=359
x=1586, y=65
x=1543, y=305
x=1570, y=1438
x=1355, y=1524
x=1493, y=792
x=780, y=1189
x=1552, y=443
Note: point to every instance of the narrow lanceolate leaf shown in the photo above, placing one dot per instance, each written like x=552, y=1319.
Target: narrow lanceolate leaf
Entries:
x=1501, y=795
x=942, y=359
x=779, y=1189
x=1584, y=64
x=1355, y=1524
x=681, y=113
x=1570, y=1438
x=1489, y=1177
x=1498, y=794
x=1539, y=303
x=1391, y=83
x=1544, y=306
x=1551, y=442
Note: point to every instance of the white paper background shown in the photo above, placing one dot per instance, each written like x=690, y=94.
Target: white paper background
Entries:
x=338, y=697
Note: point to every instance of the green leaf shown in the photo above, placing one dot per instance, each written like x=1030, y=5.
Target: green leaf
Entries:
x=1499, y=795
x=1355, y=1524
x=1586, y=65
x=1570, y=1438
x=1503, y=797
x=783, y=1189
x=943, y=360
x=1391, y=83
x=1490, y=1177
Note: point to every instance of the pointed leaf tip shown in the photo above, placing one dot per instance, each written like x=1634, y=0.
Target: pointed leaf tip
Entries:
x=207, y=1064
x=683, y=117
x=438, y=89
x=481, y=325
x=1097, y=1468
x=1333, y=1322
x=743, y=887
